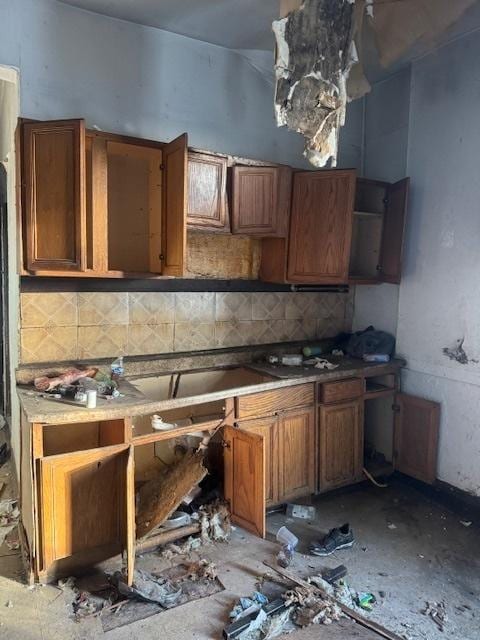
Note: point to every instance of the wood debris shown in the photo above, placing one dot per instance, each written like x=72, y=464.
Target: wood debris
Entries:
x=437, y=612
x=311, y=608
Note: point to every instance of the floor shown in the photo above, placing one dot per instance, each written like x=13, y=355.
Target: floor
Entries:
x=409, y=550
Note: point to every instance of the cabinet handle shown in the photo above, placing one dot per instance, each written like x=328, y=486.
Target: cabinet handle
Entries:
x=161, y=257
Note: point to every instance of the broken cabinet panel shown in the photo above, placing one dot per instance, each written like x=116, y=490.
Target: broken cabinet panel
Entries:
x=416, y=437
x=82, y=497
x=261, y=200
x=340, y=444
x=175, y=193
x=296, y=453
x=244, y=461
x=207, y=184
x=54, y=196
x=378, y=231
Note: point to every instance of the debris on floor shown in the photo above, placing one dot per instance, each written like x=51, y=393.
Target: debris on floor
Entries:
x=255, y=618
x=336, y=539
x=148, y=587
x=215, y=521
x=311, y=608
x=302, y=511
x=9, y=516
x=289, y=542
x=466, y=523
x=4, y=453
x=437, y=612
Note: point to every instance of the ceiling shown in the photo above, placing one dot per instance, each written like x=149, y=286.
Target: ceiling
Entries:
x=236, y=24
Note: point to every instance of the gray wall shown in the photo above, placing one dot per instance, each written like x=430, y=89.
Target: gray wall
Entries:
x=385, y=158
x=440, y=291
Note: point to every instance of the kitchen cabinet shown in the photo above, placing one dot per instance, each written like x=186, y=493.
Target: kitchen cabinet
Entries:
x=261, y=200
x=54, y=197
x=340, y=444
x=296, y=453
x=207, y=208
x=378, y=231
x=318, y=247
x=97, y=204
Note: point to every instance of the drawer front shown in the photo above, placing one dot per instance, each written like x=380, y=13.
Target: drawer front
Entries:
x=341, y=390
x=270, y=402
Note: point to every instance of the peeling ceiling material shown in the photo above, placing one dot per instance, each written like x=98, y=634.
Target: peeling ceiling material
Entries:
x=315, y=52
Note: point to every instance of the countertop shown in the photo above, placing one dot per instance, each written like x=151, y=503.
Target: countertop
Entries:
x=46, y=410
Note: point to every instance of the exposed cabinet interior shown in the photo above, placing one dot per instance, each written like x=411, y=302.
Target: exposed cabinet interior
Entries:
x=207, y=202
x=378, y=231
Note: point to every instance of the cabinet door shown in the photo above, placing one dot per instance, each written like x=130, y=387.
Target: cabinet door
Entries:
x=321, y=226
x=341, y=444
x=207, y=206
x=174, y=214
x=268, y=429
x=296, y=443
x=244, y=461
x=261, y=199
x=416, y=437
x=82, y=503
x=394, y=231
x=55, y=205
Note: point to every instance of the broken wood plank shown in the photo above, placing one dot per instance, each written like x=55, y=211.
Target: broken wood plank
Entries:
x=364, y=622
x=159, y=497
x=167, y=536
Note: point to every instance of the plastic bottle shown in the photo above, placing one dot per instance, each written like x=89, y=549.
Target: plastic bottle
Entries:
x=117, y=369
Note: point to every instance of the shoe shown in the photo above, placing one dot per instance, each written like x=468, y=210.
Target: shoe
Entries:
x=339, y=538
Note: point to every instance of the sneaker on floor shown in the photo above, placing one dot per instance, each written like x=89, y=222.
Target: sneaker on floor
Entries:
x=338, y=538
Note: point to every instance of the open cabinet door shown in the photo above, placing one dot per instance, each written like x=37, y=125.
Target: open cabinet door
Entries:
x=416, y=437
x=55, y=195
x=174, y=214
x=394, y=231
x=130, y=513
x=244, y=461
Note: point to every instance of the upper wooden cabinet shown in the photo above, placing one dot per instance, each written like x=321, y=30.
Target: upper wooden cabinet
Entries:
x=261, y=200
x=207, y=208
x=55, y=202
x=378, y=231
x=318, y=246
x=102, y=204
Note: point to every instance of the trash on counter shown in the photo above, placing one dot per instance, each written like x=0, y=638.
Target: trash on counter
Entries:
x=376, y=357
x=117, y=369
x=9, y=517
x=437, y=612
x=44, y=383
x=336, y=539
x=321, y=363
x=391, y=525
x=372, y=343
x=289, y=542
x=303, y=511
x=333, y=575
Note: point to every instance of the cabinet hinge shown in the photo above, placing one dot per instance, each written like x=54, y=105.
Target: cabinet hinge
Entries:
x=396, y=408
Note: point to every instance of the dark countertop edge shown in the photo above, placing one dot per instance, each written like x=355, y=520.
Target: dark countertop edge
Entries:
x=139, y=407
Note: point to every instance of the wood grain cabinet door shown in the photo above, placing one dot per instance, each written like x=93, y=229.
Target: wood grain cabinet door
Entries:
x=244, y=462
x=394, y=231
x=54, y=195
x=261, y=200
x=268, y=429
x=296, y=444
x=340, y=444
x=207, y=203
x=83, y=503
x=321, y=226
x=416, y=437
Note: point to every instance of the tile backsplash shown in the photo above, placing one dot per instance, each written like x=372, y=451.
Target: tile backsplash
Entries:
x=69, y=326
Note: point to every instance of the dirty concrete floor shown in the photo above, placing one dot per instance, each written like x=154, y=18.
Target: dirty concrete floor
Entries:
x=427, y=555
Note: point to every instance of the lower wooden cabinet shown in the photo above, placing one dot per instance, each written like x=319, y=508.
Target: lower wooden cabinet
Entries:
x=340, y=444
x=289, y=446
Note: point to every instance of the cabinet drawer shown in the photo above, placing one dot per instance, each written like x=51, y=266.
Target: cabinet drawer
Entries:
x=270, y=402
x=341, y=390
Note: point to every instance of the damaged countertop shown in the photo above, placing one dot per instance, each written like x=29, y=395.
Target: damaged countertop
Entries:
x=41, y=409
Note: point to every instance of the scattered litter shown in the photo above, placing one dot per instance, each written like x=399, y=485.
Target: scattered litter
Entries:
x=337, y=538
x=172, y=549
x=437, y=612
x=466, y=523
x=9, y=604
x=261, y=620
x=366, y=601
x=4, y=453
x=215, y=522
x=148, y=587
x=311, y=608
x=9, y=516
x=289, y=542
x=333, y=575
x=303, y=511
x=391, y=525
x=321, y=363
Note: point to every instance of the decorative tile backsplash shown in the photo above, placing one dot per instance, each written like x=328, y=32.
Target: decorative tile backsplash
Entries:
x=69, y=326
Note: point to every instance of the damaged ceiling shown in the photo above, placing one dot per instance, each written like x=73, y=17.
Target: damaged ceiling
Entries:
x=319, y=61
